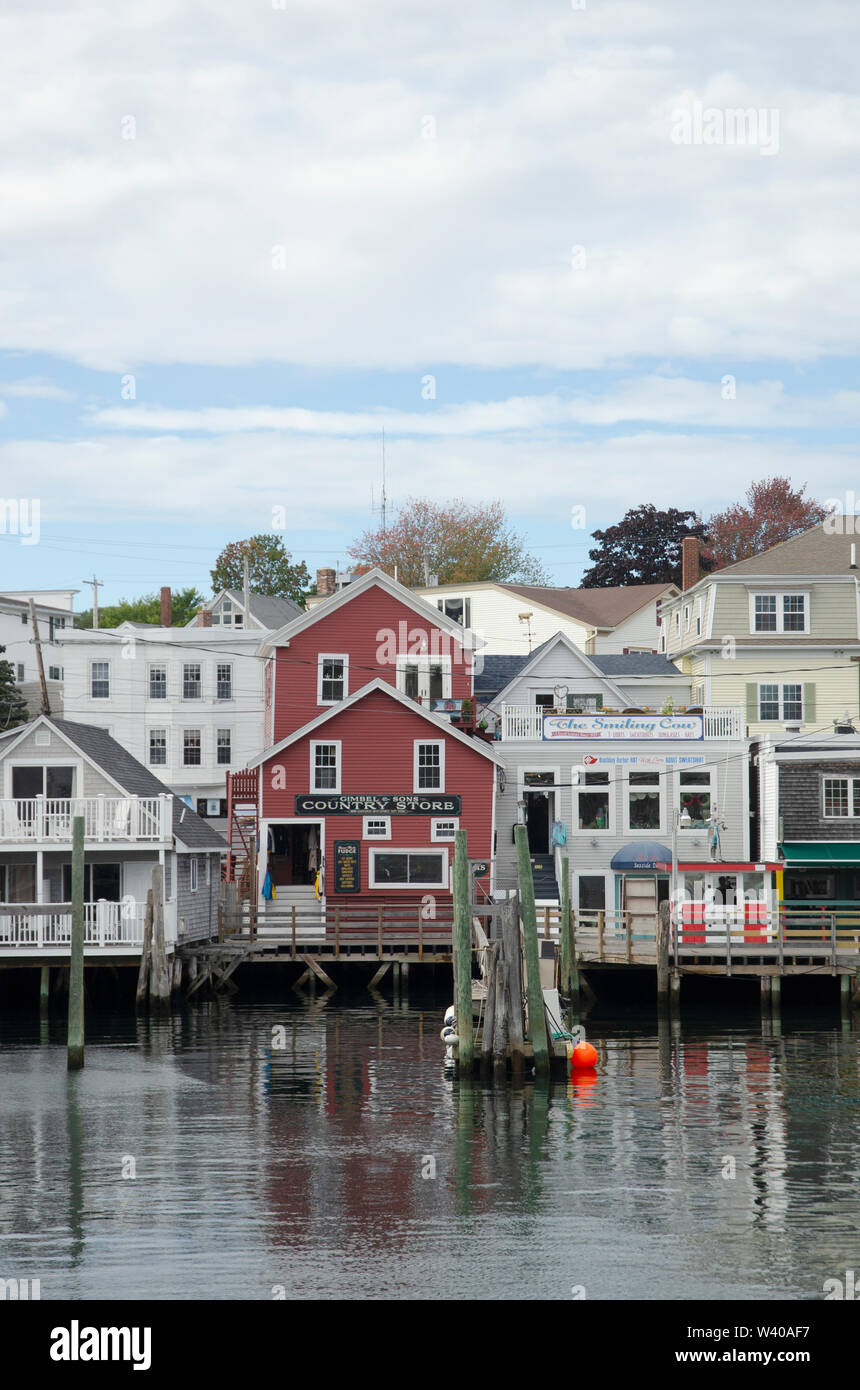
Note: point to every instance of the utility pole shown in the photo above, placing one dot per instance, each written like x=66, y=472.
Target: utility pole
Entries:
x=46, y=707
x=246, y=591
x=95, y=585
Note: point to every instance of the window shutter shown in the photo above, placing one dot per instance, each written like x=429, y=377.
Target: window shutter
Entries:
x=752, y=704
x=809, y=703
x=600, y=702
x=467, y=612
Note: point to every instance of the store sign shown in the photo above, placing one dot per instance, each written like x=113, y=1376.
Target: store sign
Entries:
x=658, y=760
x=347, y=866
x=383, y=804
x=445, y=706
x=478, y=868
x=650, y=726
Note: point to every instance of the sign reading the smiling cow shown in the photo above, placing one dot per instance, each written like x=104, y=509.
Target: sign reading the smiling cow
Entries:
x=644, y=726
x=347, y=866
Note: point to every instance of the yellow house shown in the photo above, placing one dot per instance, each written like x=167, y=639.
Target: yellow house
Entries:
x=777, y=635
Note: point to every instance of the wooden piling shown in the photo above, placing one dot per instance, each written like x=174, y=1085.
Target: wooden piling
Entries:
x=44, y=990
x=512, y=952
x=75, y=1044
x=145, y=955
x=159, y=984
x=502, y=1017
x=489, y=1009
x=537, y=1017
x=662, y=945
x=463, y=941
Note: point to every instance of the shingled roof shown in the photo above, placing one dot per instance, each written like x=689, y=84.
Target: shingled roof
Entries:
x=602, y=608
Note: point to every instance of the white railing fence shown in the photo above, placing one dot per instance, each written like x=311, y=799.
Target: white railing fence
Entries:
x=106, y=924
x=526, y=721
x=106, y=818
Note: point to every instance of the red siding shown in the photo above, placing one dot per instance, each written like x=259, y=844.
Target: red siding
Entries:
x=377, y=736
x=359, y=629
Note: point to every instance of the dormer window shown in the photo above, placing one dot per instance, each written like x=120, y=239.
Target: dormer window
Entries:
x=779, y=612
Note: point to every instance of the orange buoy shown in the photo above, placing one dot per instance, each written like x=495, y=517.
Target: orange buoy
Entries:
x=583, y=1057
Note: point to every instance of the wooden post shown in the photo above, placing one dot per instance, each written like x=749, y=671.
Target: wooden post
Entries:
x=293, y=925
x=546, y=924
x=252, y=890
x=512, y=953
x=45, y=989
x=765, y=994
x=463, y=939
x=537, y=1017
x=563, y=937
x=844, y=992
x=46, y=707
x=145, y=954
x=501, y=1021
x=420, y=933
x=628, y=933
x=379, y=931
x=75, y=1046
x=221, y=914
x=489, y=1009
x=663, y=957
x=775, y=993
x=159, y=987
x=337, y=931
x=601, y=923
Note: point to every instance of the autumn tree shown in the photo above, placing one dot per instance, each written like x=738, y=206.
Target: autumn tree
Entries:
x=460, y=543
x=185, y=604
x=643, y=548
x=774, y=512
x=271, y=569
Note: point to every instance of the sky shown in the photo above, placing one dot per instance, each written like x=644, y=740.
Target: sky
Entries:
x=531, y=242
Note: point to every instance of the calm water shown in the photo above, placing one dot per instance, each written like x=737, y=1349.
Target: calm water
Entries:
x=301, y=1165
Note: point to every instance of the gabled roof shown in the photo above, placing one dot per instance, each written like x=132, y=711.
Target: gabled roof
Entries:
x=373, y=577
x=587, y=663
x=818, y=551
x=269, y=610
x=637, y=664
x=438, y=721
x=130, y=776
x=600, y=608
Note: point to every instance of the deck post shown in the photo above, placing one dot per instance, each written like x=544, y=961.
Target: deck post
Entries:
x=766, y=994
x=775, y=993
x=75, y=1044
x=379, y=931
x=537, y=1017
x=546, y=924
x=844, y=992
x=563, y=932
x=675, y=989
x=159, y=987
x=601, y=923
x=293, y=928
x=45, y=989
x=420, y=932
x=463, y=940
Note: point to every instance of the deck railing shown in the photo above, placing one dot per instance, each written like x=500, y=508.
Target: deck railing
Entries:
x=49, y=925
x=48, y=820
x=525, y=722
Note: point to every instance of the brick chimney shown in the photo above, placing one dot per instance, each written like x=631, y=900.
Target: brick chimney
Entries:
x=326, y=582
x=166, y=608
x=690, y=573
x=204, y=617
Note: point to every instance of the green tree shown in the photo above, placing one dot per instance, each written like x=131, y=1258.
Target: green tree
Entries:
x=461, y=544
x=147, y=609
x=643, y=548
x=13, y=707
x=271, y=569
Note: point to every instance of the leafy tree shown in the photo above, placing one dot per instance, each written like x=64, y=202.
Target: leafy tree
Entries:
x=185, y=604
x=13, y=707
x=271, y=570
x=461, y=544
x=774, y=512
x=643, y=548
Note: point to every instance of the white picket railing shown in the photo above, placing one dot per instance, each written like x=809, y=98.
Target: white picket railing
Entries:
x=106, y=924
x=106, y=818
x=525, y=722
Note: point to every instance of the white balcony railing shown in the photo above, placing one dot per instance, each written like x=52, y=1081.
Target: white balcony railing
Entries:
x=525, y=722
x=106, y=818
x=38, y=926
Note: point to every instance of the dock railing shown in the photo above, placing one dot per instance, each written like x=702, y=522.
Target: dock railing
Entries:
x=39, y=926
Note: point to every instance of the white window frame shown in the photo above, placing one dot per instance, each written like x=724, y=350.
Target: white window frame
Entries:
x=706, y=786
x=229, y=733
x=190, y=665
x=436, y=838
x=582, y=789
x=325, y=743
x=424, y=660
x=661, y=791
x=193, y=874
x=688, y=612
x=376, y=820
x=183, y=732
x=417, y=744
x=839, y=777
x=407, y=887
x=322, y=658
x=149, y=734
x=221, y=665
x=156, y=666
x=780, y=629
x=781, y=717
x=466, y=601
x=93, y=665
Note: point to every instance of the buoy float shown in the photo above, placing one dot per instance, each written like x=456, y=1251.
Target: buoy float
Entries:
x=583, y=1057
x=449, y=1036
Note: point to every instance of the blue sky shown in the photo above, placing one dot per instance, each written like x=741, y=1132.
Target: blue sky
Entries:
x=281, y=226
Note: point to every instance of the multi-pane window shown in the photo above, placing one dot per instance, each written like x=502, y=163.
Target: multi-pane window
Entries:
x=593, y=805
x=841, y=797
x=444, y=829
x=644, y=801
x=377, y=827
x=325, y=767
x=158, y=682
x=192, y=681
x=100, y=680
x=332, y=679
x=794, y=612
x=695, y=797
x=408, y=868
x=224, y=681
x=765, y=612
x=780, y=612
x=460, y=609
x=429, y=767
x=158, y=747
x=191, y=745
x=223, y=747
x=783, y=702
x=20, y=670
x=55, y=673
x=423, y=680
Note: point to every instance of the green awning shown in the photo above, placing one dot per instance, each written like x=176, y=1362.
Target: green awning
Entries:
x=821, y=852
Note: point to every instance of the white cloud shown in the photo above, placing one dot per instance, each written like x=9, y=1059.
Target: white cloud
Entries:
x=36, y=388
x=302, y=127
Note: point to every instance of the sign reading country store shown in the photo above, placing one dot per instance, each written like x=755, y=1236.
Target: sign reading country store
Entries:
x=640, y=726
x=382, y=803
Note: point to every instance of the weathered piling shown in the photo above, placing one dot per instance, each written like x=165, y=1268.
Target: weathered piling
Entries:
x=512, y=952
x=567, y=937
x=75, y=1045
x=663, y=958
x=44, y=990
x=501, y=1020
x=463, y=962
x=489, y=1009
x=537, y=1017
x=145, y=955
x=159, y=983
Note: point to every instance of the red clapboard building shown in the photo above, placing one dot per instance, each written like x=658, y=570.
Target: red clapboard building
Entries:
x=363, y=782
